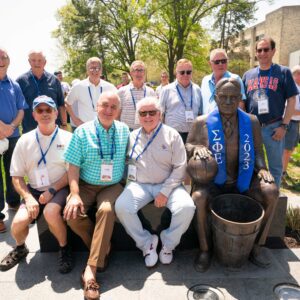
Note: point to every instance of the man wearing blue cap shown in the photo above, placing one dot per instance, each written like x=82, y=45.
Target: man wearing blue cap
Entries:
x=38, y=155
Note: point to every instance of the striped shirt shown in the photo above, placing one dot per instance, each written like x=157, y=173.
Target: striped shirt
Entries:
x=84, y=151
x=174, y=109
x=130, y=96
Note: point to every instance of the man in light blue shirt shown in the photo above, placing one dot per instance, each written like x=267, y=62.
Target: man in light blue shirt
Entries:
x=96, y=155
x=218, y=62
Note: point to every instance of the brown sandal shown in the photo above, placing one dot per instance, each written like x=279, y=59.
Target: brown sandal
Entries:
x=13, y=258
x=90, y=288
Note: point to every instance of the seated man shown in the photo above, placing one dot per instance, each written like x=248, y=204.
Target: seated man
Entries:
x=234, y=139
x=97, y=159
x=157, y=164
x=38, y=155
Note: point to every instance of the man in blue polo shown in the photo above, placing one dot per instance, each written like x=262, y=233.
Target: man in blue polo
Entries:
x=96, y=156
x=12, y=103
x=37, y=82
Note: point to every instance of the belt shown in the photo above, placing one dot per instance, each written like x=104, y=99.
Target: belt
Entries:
x=270, y=122
x=295, y=121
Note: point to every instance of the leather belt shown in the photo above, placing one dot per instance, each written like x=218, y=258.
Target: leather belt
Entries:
x=270, y=122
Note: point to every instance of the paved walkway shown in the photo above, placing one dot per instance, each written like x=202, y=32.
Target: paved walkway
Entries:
x=127, y=278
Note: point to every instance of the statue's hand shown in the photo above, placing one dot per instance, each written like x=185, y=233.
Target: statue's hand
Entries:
x=201, y=152
x=265, y=176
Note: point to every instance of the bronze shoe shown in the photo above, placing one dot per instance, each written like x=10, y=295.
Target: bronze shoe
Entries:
x=90, y=288
x=202, y=261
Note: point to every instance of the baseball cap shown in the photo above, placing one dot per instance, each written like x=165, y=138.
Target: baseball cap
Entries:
x=43, y=99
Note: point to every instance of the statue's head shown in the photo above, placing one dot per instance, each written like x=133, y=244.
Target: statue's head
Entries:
x=228, y=96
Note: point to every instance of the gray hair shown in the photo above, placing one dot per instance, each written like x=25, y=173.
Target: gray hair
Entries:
x=93, y=59
x=37, y=51
x=148, y=101
x=295, y=69
x=105, y=95
x=214, y=52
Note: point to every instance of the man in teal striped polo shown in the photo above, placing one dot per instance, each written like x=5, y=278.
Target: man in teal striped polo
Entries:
x=96, y=155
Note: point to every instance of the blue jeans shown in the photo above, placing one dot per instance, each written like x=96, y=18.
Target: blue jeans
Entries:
x=137, y=195
x=274, y=151
x=12, y=197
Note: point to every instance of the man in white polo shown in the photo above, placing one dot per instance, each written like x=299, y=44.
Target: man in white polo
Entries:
x=87, y=92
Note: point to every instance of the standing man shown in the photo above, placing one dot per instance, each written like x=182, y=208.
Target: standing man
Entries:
x=96, y=156
x=157, y=163
x=86, y=93
x=12, y=103
x=38, y=156
x=218, y=62
x=181, y=100
x=164, y=80
x=125, y=80
x=64, y=85
x=271, y=96
x=37, y=82
x=132, y=93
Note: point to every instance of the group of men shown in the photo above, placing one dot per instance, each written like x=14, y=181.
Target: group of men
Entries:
x=130, y=131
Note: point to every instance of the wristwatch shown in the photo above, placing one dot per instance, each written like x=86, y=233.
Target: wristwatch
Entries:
x=52, y=191
x=284, y=126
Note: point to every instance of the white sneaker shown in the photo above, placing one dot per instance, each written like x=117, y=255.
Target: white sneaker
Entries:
x=165, y=255
x=150, y=254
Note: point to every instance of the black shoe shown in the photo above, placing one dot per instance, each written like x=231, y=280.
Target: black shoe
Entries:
x=13, y=257
x=65, y=260
x=259, y=258
x=202, y=261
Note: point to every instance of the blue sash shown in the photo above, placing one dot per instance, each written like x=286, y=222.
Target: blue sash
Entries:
x=246, y=148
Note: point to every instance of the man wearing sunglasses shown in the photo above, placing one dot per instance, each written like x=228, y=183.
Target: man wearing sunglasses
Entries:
x=218, y=62
x=38, y=156
x=156, y=169
x=132, y=93
x=96, y=155
x=271, y=96
x=86, y=93
x=12, y=103
x=181, y=100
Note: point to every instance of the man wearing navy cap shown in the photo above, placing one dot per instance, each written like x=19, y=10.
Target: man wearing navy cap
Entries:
x=38, y=155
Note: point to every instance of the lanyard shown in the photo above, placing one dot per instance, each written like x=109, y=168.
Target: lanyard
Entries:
x=269, y=76
x=36, y=84
x=181, y=98
x=147, y=145
x=113, y=147
x=43, y=158
x=133, y=100
x=92, y=97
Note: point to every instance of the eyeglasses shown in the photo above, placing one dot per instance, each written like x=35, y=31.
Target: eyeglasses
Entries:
x=48, y=110
x=260, y=50
x=138, y=70
x=187, y=72
x=3, y=57
x=150, y=113
x=94, y=69
x=220, y=61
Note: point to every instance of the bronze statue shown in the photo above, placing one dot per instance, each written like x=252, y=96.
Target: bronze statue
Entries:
x=233, y=138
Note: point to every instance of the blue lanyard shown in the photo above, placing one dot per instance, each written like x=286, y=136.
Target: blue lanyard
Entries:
x=36, y=84
x=45, y=153
x=181, y=98
x=269, y=76
x=133, y=100
x=113, y=147
x=92, y=97
x=147, y=145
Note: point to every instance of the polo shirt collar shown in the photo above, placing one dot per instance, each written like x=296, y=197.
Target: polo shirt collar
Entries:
x=182, y=87
x=102, y=130
x=5, y=79
x=131, y=86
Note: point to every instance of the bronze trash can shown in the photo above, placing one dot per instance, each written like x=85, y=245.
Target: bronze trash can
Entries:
x=235, y=222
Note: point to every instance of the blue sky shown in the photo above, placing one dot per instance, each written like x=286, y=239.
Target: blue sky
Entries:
x=27, y=24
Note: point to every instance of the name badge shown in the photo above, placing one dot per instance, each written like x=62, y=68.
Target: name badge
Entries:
x=131, y=172
x=41, y=177
x=106, y=172
x=189, y=116
x=263, y=105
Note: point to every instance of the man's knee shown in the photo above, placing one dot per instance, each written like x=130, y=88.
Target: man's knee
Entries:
x=105, y=209
x=20, y=221
x=52, y=212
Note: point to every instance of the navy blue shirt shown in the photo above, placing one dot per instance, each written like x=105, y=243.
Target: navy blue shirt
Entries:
x=11, y=101
x=281, y=86
x=32, y=87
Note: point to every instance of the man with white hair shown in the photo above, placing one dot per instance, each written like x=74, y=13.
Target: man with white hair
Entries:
x=86, y=93
x=36, y=82
x=218, y=62
x=157, y=164
x=96, y=156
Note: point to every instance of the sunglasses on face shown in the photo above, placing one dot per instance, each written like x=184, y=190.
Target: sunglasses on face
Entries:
x=187, y=72
x=220, y=61
x=150, y=113
x=48, y=110
x=260, y=50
